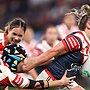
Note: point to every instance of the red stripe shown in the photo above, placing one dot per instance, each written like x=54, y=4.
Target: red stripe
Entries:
x=14, y=81
x=87, y=43
x=18, y=83
x=77, y=44
x=87, y=49
x=21, y=82
x=53, y=78
x=73, y=41
x=84, y=37
x=18, y=79
x=68, y=42
x=5, y=82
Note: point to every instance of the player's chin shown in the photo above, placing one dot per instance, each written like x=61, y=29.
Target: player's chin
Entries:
x=77, y=88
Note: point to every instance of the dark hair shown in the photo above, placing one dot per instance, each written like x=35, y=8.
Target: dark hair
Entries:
x=48, y=26
x=84, y=15
x=15, y=23
x=72, y=11
x=82, y=22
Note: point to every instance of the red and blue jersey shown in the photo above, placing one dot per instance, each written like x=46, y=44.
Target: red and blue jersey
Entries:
x=77, y=47
x=78, y=41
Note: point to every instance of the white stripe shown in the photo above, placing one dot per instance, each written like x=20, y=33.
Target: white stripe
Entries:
x=2, y=38
x=68, y=44
x=73, y=39
x=69, y=39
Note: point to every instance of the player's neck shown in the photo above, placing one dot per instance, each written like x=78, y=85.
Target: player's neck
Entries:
x=50, y=44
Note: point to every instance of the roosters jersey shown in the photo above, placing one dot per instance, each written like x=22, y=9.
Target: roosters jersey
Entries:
x=77, y=48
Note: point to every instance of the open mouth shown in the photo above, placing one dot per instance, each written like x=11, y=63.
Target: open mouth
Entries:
x=14, y=41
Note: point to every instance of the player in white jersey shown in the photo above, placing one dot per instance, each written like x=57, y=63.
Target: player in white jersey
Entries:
x=28, y=43
x=12, y=56
x=15, y=30
x=50, y=39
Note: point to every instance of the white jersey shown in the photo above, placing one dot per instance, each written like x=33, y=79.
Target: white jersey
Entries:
x=44, y=46
x=64, y=31
x=29, y=47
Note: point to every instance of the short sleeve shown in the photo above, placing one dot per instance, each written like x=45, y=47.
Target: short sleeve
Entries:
x=72, y=43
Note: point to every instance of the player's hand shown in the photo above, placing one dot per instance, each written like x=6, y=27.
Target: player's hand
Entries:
x=65, y=80
x=28, y=63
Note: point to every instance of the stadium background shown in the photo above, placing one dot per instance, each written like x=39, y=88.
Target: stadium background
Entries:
x=38, y=14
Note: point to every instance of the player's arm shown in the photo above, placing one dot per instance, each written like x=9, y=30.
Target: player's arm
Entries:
x=69, y=44
x=32, y=62
x=46, y=84
x=21, y=82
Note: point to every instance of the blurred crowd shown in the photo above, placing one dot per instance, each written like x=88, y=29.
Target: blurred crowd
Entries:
x=37, y=13
x=45, y=17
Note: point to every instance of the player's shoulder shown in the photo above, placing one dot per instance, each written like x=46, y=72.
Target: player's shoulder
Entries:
x=2, y=36
x=61, y=26
x=79, y=34
x=82, y=36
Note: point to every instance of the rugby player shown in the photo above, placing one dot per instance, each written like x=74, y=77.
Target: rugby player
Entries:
x=12, y=56
x=72, y=49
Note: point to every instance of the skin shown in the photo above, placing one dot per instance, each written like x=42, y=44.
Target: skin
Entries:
x=70, y=20
x=14, y=36
x=59, y=49
x=29, y=32
x=51, y=35
x=64, y=80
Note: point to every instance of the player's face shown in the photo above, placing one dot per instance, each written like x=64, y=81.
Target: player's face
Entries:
x=70, y=20
x=51, y=35
x=87, y=29
x=88, y=24
x=15, y=35
x=29, y=34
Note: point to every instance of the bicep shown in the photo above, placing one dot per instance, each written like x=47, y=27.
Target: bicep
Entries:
x=32, y=62
x=59, y=49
